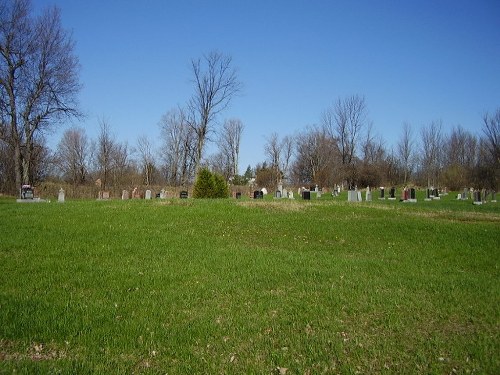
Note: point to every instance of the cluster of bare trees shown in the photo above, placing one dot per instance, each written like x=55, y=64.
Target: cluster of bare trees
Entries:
x=343, y=150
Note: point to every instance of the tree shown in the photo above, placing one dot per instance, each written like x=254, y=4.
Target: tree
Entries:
x=38, y=80
x=210, y=185
x=147, y=163
x=432, y=152
x=229, y=144
x=460, y=157
x=491, y=144
x=405, y=147
x=178, y=147
x=345, y=121
x=216, y=83
x=105, y=149
x=73, y=155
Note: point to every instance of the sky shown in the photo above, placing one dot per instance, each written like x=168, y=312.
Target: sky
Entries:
x=413, y=61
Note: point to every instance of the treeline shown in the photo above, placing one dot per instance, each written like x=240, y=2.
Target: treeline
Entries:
x=342, y=150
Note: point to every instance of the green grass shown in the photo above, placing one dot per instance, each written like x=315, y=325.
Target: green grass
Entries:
x=226, y=286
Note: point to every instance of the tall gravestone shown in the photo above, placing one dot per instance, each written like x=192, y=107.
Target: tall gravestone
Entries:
x=148, y=194
x=60, y=196
x=306, y=195
x=382, y=193
x=413, y=195
x=392, y=193
x=368, y=195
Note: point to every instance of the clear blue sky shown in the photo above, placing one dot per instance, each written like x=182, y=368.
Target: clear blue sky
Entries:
x=414, y=61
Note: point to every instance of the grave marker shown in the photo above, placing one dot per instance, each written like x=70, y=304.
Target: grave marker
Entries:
x=183, y=194
x=392, y=194
x=125, y=195
x=148, y=194
x=382, y=193
x=60, y=197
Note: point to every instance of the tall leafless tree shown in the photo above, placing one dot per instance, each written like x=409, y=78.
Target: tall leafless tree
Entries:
x=345, y=121
x=229, y=144
x=38, y=79
x=491, y=142
x=146, y=159
x=104, y=153
x=73, y=155
x=406, y=150
x=178, y=147
x=432, y=152
x=215, y=83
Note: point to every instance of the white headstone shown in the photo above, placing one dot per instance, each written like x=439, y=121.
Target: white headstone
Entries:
x=290, y=195
x=264, y=191
x=162, y=194
x=60, y=197
x=148, y=194
x=125, y=195
x=359, y=197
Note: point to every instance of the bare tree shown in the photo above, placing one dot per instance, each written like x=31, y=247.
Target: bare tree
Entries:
x=105, y=149
x=405, y=147
x=178, y=147
x=38, y=79
x=73, y=155
x=490, y=143
x=216, y=83
x=345, y=122
x=432, y=152
x=145, y=149
x=272, y=149
x=460, y=154
x=229, y=144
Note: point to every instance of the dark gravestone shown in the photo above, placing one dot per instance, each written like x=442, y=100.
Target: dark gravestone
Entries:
x=277, y=194
x=183, y=194
x=392, y=193
x=382, y=193
x=306, y=195
x=238, y=195
x=413, y=194
x=257, y=194
x=27, y=192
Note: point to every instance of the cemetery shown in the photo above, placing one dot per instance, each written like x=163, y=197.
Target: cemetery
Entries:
x=330, y=280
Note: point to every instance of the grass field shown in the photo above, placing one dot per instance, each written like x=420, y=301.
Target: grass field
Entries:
x=243, y=286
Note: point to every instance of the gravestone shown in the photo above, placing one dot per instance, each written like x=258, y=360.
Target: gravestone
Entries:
x=435, y=194
x=264, y=191
x=280, y=189
x=277, y=194
x=360, y=199
x=290, y=195
x=125, y=195
x=392, y=194
x=162, y=194
x=306, y=195
x=27, y=192
x=352, y=196
x=413, y=195
x=148, y=194
x=238, y=195
x=368, y=195
x=60, y=196
x=183, y=194
x=136, y=194
x=382, y=193
x=105, y=195
x=318, y=194
x=465, y=194
x=494, y=196
x=477, y=197
x=284, y=193
x=257, y=194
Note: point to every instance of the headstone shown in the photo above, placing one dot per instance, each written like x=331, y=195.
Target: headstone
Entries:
x=494, y=196
x=368, y=195
x=257, y=194
x=280, y=188
x=465, y=194
x=360, y=199
x=459, y=196
x=125, y=195
x=316, y=189
x=290, y=195
x=306, y=195
x=413, y=195
x=238, y=195
x=435, y=194
x=162, y=194
x=352, y=196
x=183, y=194
x=27, y=192
x=382, y=193
x=60, y=197
x=105, y=195
x=136, y=194
x=477, y=197
x=277, y=194
x=318, y=194
x=392, y=193
x=284, y=193
x=264, y=191
x=148, y=194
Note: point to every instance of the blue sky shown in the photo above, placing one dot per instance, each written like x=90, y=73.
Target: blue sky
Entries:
x=414, y=61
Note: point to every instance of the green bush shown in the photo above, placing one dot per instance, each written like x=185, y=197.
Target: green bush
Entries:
x=210, y=185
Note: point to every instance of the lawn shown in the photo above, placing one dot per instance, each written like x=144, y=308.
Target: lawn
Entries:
x=249, y=286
